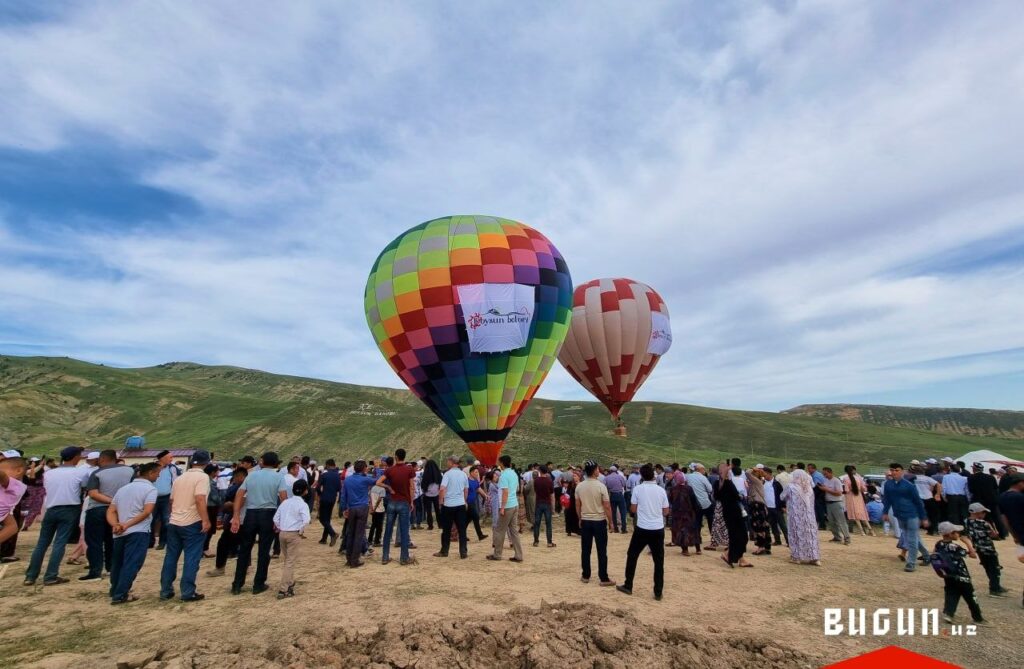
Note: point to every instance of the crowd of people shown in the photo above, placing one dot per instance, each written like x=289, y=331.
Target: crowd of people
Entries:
x=118, y=513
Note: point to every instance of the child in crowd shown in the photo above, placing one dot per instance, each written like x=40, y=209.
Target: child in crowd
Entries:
x=950, y=555
x=12, y=468
x=981, y=533
x=290, y=520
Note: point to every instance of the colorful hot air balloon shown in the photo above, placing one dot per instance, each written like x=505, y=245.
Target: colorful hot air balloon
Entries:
x=470, y=312
x=620, y=329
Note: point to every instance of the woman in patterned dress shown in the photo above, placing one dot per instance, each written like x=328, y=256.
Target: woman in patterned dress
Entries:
x=856, y=509
x=803, y=527
x=685, y=519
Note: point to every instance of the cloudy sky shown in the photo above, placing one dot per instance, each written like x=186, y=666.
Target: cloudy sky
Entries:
x=829, y=195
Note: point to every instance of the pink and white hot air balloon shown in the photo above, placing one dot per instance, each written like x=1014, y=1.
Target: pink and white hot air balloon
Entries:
x=619, y=330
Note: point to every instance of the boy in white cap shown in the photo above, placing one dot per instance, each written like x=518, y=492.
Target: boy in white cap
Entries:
x=981, y=533
x=948, y=561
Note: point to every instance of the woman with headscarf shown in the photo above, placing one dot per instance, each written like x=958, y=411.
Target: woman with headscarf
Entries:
x=759, y=526
x=685, y=518
x=803, y=526
x=719, y=532
x=856, y=509
x=732, y=514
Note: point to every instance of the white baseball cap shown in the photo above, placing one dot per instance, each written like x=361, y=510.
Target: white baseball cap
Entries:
x=12, y=454
x=976, y=507
x=915, y=462
x=948, y=459
x=93, y=455
x=759, y=466
x=947, y=527
x=931, y=461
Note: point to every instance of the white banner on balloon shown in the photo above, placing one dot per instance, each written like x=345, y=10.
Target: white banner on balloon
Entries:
x=661, y=334
x=497, y=315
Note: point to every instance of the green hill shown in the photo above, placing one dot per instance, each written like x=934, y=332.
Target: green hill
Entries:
x=975, y=422
x=48, y=402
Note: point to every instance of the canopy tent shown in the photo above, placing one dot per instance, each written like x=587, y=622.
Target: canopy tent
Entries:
x=989, y=459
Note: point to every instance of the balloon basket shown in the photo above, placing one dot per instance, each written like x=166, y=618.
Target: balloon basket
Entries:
x=620, y=431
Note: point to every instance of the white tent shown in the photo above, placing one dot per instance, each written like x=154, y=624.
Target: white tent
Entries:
x=988, y=458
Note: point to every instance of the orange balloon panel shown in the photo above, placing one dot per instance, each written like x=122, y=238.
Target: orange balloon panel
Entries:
x=618, y=332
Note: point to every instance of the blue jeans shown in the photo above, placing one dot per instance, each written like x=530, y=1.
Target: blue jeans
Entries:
x=162, y=513
x=619, y=510
x=397, y=512
x=129, y=555
x=58, y=523
x=99, y=540
x=186, y=539
x=541, y=511
x=910, y=539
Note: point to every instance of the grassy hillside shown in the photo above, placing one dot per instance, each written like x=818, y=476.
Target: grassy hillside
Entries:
x=48, y=402
x=975, y=422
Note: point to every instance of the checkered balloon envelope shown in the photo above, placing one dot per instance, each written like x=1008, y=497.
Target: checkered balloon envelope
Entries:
x=470, y=312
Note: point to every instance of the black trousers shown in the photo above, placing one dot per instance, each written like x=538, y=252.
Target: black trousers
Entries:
x=474, y=515
x=324, y=516
x=641, y=539
x=356, y=525
x=594, y=532
x=376, y=527
x=709, y=514
x=820, y=513
x=773, y=523
x=991, y=564
x=8, y=547
x=99, y=540
x=226, y=545
x=211, y=512
x=954, y=591
x=431, y=508
x=931, y=507
x=956, y=509
x=996, y=518
x=258, y=524
x=458, y=516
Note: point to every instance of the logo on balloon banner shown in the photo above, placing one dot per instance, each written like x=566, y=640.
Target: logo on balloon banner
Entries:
x=497, y=316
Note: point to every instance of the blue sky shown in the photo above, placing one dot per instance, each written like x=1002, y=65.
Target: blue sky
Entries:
x=829, y=195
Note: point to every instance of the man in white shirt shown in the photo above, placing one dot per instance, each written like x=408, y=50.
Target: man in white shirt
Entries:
x=454, y=494
x=63, y=504
x=649, y=505
x=290, y=519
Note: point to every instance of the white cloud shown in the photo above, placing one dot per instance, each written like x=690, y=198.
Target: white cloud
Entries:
x=773, y=173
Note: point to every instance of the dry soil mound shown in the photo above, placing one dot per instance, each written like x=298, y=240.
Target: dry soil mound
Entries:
x=558, y=635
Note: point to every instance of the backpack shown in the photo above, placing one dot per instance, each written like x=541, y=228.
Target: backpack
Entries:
x=216, y=496
x=941, y=564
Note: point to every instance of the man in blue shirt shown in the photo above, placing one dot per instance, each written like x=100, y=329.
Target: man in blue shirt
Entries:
x=162, y=512
x=355, y=505
x=820, y=510
x=954, y=490
x=328, y=488
x=454, y=495
x=259, y=496
x=901, y=498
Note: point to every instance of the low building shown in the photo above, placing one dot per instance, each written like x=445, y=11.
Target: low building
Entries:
x=137, y=456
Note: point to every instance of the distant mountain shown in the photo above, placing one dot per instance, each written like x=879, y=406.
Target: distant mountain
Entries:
x=975, y=422
x=48, y=402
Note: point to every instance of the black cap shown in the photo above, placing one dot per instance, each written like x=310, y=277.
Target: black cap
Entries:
x=201, y=457
x=162, y=454
x=70, y=452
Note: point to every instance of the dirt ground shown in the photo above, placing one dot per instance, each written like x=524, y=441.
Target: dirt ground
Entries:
x=475, y=613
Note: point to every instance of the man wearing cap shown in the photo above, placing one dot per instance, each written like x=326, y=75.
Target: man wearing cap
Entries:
x=186, y=531
x=954, y=489
x=594, y=509
x=984, y=489
x=63, y=505
x=100, y=488
x=161, y=515
x=981, y=533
